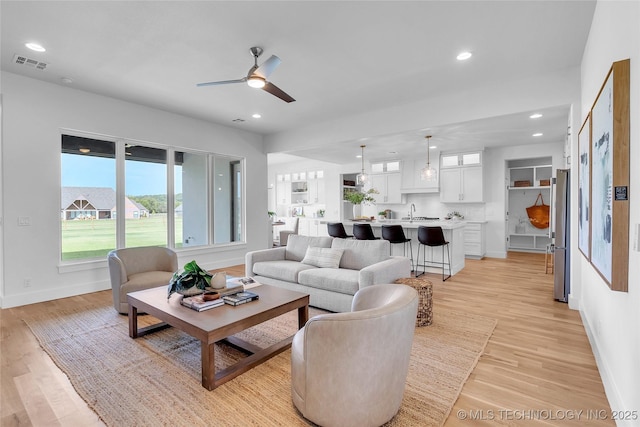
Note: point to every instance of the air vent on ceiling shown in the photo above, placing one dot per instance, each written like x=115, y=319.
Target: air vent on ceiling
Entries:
x=238, y=120
x=29, y=62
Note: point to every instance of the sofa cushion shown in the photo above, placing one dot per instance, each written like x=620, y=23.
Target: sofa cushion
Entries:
x=297, y=245
x=323, y=257
x=359, y=254
x=340, y=280
x=283, y=270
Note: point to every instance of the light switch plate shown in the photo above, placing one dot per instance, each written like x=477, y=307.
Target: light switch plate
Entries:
x=24, y=220
x=636, y=239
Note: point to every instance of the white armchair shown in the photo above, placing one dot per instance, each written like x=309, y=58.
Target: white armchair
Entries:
x=135, y=269
x=350, y=369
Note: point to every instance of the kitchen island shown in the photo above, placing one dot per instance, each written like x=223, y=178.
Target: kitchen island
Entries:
x=453, y=232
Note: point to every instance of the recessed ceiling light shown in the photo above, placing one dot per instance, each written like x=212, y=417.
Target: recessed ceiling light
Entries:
x=535, y=116
x=256, y=116
x=537, y=134
x=432, y=147
x=35, y=46
x=359, y=156
x=463, y=55
x=66, y=80
x=85, y=150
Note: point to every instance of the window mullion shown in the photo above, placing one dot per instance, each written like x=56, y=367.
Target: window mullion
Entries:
x=120, y=194
x=171, y=226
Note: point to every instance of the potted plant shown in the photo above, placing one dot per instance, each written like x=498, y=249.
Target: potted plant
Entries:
x=193, y=280
x=358, y=198
x=272, y=215
x=382, y=215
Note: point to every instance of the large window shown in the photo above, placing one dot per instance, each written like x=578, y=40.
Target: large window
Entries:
x=119, y=193
x=88, y=197
x=145, y=204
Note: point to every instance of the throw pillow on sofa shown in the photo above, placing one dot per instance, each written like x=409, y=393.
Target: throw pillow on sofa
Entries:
x=323, y=257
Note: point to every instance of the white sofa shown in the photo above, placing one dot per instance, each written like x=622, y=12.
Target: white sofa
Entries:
x=361, y=263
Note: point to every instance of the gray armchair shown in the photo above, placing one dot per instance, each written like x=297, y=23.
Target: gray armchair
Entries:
x=290, y=227
x=350, y=369
x=135, y=269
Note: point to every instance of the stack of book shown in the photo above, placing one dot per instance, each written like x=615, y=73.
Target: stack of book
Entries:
x=240, y=298
x=198, y=303
x=211, y=297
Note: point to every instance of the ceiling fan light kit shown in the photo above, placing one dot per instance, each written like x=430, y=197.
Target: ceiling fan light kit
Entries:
x=257, y=76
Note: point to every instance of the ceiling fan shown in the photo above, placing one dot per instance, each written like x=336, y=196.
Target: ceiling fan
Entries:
x=257, y=76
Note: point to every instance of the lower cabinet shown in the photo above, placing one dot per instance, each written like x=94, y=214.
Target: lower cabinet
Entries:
x=312, y=227
x=474, y=240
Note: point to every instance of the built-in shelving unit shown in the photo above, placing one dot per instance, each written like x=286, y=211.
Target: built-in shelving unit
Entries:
x=527, y=178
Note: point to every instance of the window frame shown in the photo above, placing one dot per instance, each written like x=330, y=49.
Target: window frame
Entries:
x=120, y=159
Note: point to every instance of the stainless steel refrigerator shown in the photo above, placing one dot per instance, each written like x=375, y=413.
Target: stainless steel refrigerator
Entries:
x=561, y=234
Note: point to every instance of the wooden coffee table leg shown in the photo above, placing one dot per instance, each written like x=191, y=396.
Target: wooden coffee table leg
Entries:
x=208, y=365
x=133, y=321
x=303, y=316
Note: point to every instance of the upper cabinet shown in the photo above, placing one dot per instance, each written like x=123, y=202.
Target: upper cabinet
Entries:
x=461, y=178
x=411, y=176
x=300, y=188
x=388, y=186
x=385, y=178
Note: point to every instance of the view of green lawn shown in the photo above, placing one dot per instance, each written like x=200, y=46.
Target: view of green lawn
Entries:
x=95, y=238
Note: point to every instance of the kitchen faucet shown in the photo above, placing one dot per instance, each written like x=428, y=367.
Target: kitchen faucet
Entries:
x=411, y=211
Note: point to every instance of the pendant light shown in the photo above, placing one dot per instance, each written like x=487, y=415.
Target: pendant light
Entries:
x=428, y=173
x=362, y=177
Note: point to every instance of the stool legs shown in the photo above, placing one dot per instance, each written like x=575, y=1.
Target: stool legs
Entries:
x=424, y=262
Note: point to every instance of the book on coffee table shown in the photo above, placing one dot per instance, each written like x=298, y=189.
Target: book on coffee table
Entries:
x=198, y=303
x=240, y=298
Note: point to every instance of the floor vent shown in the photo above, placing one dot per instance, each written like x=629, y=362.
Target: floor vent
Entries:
x=29, y=62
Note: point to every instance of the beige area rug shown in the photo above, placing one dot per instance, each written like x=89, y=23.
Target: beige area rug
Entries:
x=155, y=380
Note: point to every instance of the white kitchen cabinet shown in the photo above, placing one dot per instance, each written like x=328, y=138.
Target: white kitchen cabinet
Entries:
x=388, y=187
x=461, y=185
x=411, y=176
x=316, y=191
x=474, y=240
x=283, y=192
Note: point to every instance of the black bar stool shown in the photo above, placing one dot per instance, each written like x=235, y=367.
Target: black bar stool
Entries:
x=363, y=232
x=336, y=229
x=395, y=234
x=433, y=237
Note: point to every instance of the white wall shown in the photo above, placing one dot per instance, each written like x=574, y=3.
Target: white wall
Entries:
x=34, y=113
x=612, y=319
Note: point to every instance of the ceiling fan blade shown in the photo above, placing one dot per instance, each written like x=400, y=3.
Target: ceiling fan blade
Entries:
x=276, y=91
x=223, y=82
x=267, y=67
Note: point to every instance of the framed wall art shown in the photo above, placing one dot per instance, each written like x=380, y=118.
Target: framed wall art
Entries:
x=609, y=207
x=584, y=188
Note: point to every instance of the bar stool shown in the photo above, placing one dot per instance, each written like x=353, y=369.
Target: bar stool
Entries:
x=336, y=229
x=363, y=232
x=395, y=234
x=432, y=237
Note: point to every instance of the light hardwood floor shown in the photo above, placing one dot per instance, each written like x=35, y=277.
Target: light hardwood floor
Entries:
x=537, y=368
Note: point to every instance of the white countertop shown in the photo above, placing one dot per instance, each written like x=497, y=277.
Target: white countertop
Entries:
x=445, y=224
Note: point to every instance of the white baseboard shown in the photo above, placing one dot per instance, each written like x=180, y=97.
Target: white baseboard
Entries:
x=611, y=390
x=43, y=295
x=496, y=254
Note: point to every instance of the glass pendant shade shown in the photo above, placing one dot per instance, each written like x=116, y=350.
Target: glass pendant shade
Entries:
x=428, y=173
x=362, y=178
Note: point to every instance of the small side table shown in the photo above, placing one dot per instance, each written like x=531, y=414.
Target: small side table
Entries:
x=425, y=293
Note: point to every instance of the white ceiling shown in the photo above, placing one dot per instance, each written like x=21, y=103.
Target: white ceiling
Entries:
x=338, y=58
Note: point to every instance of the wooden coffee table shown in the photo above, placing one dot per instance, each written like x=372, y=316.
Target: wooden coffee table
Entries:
x=220, y=323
